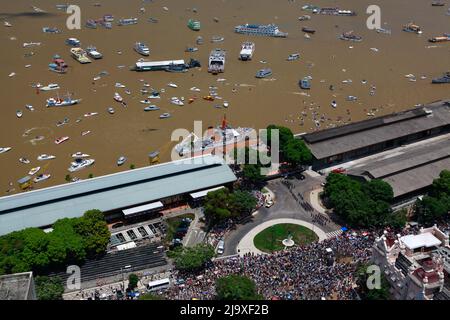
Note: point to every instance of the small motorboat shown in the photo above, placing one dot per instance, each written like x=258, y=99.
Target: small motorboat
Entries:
x=208, y=98
x=4, y=149
x=172, y=85
x=165, y=115
x=225, y=104
x=74, y=42
x=191, y=49
x=79, y=155
x=117, y=97
x=19, y=114
x=351, y=98
x=293, y=56
x=128, y=91
x=263, y=73
x=305, y=83
x=79, y=164
x=41, y=177
x=44, y=156
x=84, y=133
x=154, y=95
x=176, y=101
x=90, y=114
x=308, y=30
x=334, y=103
x=111, y=110
x=119, y=85
x=29, y=107
x=50, y=86
x=24, y=160
x=61, y=140
x=195, y=89
x=146, y=101
x=121, y=160
x=33, y=171
x=151, y=108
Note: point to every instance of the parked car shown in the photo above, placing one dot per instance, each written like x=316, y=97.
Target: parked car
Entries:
x=221, y=247
x=269, y=203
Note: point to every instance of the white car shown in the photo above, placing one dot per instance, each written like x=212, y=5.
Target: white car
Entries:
x=269, y=203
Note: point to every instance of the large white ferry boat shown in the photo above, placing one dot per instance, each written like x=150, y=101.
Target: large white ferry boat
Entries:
x=247, y=50
x=270, y=30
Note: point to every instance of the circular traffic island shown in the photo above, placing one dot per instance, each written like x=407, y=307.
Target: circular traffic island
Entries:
x=274, y=237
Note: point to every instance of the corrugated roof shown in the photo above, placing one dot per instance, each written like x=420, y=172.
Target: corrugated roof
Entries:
x=409, y=169
x=343, y=139
x=115, y=191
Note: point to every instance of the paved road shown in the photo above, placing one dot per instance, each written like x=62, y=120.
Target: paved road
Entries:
x=286, y=206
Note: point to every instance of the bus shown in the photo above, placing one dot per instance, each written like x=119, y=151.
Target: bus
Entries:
x=158, y=285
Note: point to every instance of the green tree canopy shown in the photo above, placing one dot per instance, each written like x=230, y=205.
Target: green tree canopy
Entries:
x=133, y=280
x=242, y=203
x=436, y=205
x=235, y=287
x=71, y=241
x=292, y=150
x=363, y=204
x=150, y=296
x=192, y=258
x=49, y=288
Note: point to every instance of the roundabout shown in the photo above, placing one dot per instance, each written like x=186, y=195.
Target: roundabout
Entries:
x=277, y=234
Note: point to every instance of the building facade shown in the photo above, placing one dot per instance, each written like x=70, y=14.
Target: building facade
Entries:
x=416, y=266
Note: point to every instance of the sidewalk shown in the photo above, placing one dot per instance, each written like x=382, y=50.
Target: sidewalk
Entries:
x=315, y=201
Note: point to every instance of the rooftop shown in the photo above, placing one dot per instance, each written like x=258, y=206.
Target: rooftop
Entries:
x=420, y=240
x=16, y=286
x=115, y=191
x=410, y=169
x=329, y=142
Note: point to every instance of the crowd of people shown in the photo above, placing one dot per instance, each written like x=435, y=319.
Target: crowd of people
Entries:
x=302, y=272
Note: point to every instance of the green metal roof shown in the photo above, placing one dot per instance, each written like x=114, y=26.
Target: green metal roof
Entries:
x=116, y=191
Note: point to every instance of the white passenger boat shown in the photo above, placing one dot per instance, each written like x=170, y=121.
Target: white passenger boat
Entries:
x=44, y=156
x=33, y=171
x=247, y=50
x=50, y=86
x=61, y=140
x=80, y=164
x=176, y=101
x=80, y=155
x=41, y=177
x=4, y=149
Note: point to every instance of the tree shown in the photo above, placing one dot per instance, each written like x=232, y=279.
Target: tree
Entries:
x=68, y=177
x=192, y=258
x=94, y=231
x=133, y=280
x=235, y=287
x=252, y=174
x=363, y=204
x=292, y=150
x=242, y=203
x=378, y=190
x=132, y=166
x=49, y=288
x=216, y=205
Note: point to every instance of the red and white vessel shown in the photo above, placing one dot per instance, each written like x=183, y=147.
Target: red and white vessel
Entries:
x=61, y=140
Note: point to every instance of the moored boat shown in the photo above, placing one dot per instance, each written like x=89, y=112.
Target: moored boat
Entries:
x=305, y=83
x=117, y=97
x=270, y=30
x=93, y=53
x=263, y=73
x=58, y=102
x=350, y=36
x=41, y=177
x=44, y=156
x=127, y=22
x=194, y=25
x=411, y=27
x=33, y=171
x=121, y=160
x=165, y=115
x=247, y=49
x=4, y=149
x=80, y=164
x=50, y=86
x=141, y=48
x=444, y=79
x=80, y=55
x=73, y=42
x=308, y=30
x=293, y=56
x=151, y=108
x=61, y=140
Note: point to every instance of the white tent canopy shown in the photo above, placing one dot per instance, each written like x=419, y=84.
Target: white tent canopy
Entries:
x=421, y=240
x=143, y=209
x=203, y=193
